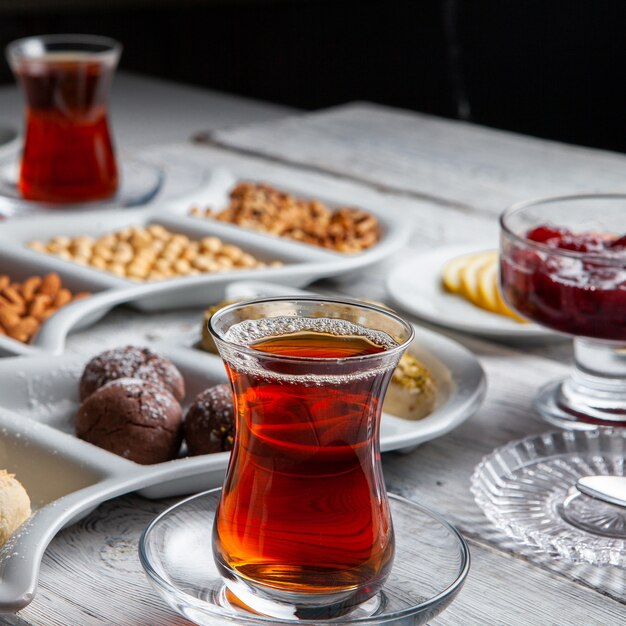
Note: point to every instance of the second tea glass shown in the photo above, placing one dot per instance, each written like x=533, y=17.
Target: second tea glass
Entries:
x=68, y=150
x=303, y=527
x=579, y=289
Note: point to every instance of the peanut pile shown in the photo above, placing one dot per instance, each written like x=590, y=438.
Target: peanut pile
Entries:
x=264, y=208
x=24, y=306
x=150, y=253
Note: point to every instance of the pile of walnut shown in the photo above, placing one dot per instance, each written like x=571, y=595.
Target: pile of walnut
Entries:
x=150, y=253
x=264, y=208
x=24, y=306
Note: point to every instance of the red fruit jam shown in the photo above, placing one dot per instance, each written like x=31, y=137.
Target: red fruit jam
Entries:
x=581, y=294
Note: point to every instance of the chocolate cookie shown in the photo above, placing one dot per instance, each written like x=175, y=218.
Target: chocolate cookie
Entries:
x=131, y=362
x=132, y=418
x=209, y=424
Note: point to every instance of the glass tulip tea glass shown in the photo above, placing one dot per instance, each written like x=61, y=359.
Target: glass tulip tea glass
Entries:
x=563, y=265
x=68, y=153
x=303, y=527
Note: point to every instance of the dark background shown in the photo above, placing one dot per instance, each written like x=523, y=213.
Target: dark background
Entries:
x=550, y=68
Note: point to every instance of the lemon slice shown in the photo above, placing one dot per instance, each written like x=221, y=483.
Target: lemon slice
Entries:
x=475, y=278
x=488, y=286
x=452, y=273
x=470, y=277
x=504, y=309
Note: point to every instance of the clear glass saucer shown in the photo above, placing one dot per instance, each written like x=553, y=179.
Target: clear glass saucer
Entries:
x=527, y=489
x=430, y=567
x=10, y=140
x=139, y=183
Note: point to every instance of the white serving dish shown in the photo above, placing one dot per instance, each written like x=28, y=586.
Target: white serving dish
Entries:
x=415, y=286
x=18, y=264
x=216, y=194
x=67, y=478
x=460, y=379
x=303, y=263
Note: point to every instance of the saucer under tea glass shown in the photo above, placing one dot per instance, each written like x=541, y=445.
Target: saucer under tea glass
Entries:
x=431, y=564
x=563, y=266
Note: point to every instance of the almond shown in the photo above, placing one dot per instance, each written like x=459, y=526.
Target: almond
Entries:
x=30, y=286
x=9, y=318
x=50, y=285
x=39, y=305
x=63, y=297
x=25, y=329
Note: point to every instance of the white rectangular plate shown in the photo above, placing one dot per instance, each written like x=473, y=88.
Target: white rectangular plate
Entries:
x=67, y=477
x=18, y=265
x=303, y=263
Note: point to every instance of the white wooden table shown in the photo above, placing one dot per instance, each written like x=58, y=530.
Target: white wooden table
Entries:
x=450, y=180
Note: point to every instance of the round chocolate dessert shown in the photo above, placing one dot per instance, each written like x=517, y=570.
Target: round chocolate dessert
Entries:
x=209, y=424
x=134, y=419
x=131, y=362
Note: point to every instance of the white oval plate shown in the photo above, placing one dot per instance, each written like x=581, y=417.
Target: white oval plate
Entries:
x=302, y=263
x=67, y=477
x=19, y=266
x=415, y=285
x=460, y=379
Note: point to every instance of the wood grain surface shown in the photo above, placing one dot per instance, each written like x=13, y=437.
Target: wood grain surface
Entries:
x=476, y=169
x=449, y=181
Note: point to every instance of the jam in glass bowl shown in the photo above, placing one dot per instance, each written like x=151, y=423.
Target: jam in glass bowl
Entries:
x=563, y=265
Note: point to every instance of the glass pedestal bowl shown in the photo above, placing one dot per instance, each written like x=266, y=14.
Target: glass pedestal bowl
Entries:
x=563, y=266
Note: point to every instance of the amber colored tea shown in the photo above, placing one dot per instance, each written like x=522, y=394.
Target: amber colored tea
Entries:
x=299, y=509
x=68, y=153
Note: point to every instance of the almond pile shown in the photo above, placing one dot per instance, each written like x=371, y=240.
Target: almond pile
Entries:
x=24, y=306
x=261, y=207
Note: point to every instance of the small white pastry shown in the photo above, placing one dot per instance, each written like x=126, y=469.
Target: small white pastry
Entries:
x=14, y=505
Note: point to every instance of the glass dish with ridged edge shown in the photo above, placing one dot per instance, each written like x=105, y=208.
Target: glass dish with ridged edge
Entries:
x=527, y=489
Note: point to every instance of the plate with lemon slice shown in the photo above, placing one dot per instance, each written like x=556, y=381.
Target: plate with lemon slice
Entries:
x=457, y=287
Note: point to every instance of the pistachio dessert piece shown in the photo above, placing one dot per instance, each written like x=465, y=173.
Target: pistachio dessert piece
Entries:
x=412, y=392
x=206, y=340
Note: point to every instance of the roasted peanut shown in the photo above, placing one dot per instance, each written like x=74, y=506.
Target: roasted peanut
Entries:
x=117, y=268
x=150, y=253
x=182, y=266
x=98, y=262
x=211, y=244
x=37, y=246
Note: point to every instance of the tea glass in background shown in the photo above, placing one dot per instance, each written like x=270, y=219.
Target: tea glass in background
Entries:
x=303, y=527
x=580, y=291
x=68, y=150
